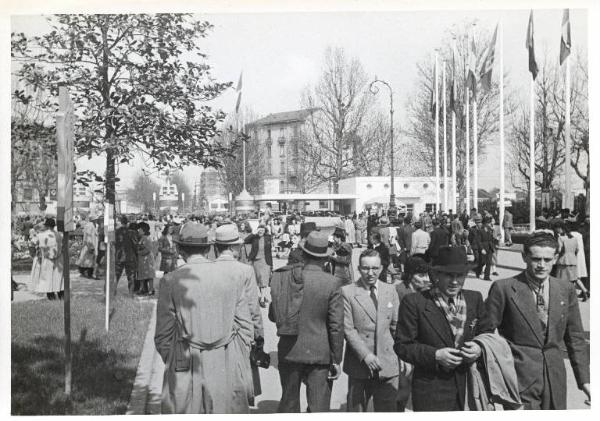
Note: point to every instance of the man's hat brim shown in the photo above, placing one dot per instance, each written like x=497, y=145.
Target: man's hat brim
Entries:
x=457, y=268
x=193, y=242
x=238, y=241
x=313, y=253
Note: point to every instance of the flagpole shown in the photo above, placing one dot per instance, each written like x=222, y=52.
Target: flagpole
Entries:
x=501, y=83
x=454, y=201
x=468, y=157
x=568, y=201
x=445, y=177
x=437, y=137
x=475, y=163
x=531, y=156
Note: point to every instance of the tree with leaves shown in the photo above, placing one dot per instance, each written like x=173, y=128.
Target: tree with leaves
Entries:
x=342, y=99
x=33, y=145
x=142, y=191
x=140, y=84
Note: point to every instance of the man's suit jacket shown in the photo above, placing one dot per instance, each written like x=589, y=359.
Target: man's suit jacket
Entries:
x=422, y=330
x=439, y=238
x=405, y=236
x=511, y=308
x=320, y=338
x=360, y=321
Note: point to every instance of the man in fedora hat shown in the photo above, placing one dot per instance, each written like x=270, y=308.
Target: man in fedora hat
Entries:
x=227, y=246
x=435, y=334
x=204, y=331
x=308, y=310
x=296, y=255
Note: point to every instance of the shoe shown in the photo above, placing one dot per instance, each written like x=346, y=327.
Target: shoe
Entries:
x=486, y=279
x=584, y=297
x=495, y=273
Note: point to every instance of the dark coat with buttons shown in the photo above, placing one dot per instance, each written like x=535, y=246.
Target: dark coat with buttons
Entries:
x=511, y=308
x=422, y=330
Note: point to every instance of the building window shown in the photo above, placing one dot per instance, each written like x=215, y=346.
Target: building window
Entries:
x=268, y=169
x=268, y=133
x=27, y=193
x=281, y=149
x=282, y=167
x=386, y=186
x=268, y=150
x=429, y=207
x=425, y=185
x=410, y=207
x=406, y=185
x=323, y=204
x=369, y=186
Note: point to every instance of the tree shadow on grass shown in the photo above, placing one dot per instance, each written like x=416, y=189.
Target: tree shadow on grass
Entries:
x=101, y=382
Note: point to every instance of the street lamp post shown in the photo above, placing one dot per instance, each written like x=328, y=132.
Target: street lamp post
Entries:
x=374, y=90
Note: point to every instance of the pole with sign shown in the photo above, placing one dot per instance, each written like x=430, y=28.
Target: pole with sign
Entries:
x=64, y=142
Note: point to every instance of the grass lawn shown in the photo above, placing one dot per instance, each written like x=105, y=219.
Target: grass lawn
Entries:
x=104, y=365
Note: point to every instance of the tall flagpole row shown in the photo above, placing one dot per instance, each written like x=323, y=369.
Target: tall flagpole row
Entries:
x=501, y=84
x=445, y=177
x=437, y=137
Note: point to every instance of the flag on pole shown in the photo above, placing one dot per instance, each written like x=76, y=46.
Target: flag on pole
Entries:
x=533, y=67
x=433, y=100
x=488, y=63
x=453, y=93
x=239, y=91
x=472, y=67
x=565, y=37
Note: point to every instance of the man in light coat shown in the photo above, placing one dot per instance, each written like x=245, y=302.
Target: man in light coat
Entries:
x=204, y=331
x=507, y=225
x=419, y=241
x=370, y=316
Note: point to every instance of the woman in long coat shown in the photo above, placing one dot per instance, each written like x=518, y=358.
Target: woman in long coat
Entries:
x=145, y=255
x=49, y=268
x=89, y=251
x=168, y=250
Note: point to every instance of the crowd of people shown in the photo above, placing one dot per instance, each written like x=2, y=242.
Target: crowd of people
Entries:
x=408, y=326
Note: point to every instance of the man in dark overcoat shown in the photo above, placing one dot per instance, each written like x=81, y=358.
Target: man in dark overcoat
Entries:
x=435, y=334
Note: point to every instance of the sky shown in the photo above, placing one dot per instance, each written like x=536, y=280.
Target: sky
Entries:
x=281, y=53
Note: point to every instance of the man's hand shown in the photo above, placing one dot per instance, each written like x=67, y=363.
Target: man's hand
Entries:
x=263, y=301
x=483, y=252
x=586, y=390
x=373, y=363
x=448, y=357
x=334, y=372
x=470, y=351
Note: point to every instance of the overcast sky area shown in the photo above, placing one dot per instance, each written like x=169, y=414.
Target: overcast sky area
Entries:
x=281, y=53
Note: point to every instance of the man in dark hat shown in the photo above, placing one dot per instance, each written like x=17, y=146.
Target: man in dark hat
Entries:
x=481, y=238
x=308, y=310
x=435, y=334
x=296, y=255
x=204, y=330
x=439, y=238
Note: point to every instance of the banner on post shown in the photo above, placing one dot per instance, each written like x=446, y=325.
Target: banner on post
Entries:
x=64, y=142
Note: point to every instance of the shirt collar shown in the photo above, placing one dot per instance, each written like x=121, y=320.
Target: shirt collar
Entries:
x=536, y=285
x=368, y=287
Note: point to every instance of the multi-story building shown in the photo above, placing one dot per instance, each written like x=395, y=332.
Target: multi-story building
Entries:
x=280, y=136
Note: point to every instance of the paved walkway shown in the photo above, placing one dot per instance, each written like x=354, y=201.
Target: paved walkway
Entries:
x=148, y=385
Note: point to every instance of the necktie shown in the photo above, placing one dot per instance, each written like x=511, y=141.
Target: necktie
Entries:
x=374, y=296
x=540, y=305
x=452, y=305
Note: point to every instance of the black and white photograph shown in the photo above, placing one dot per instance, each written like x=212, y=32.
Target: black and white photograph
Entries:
x=297, y=207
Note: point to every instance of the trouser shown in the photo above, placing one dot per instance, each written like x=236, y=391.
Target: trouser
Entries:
x=318, y=387
x=539, y=395
x=130, y=268
x=384, y=393
x=507, y=236
x=484, y=260
x=361, y=236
